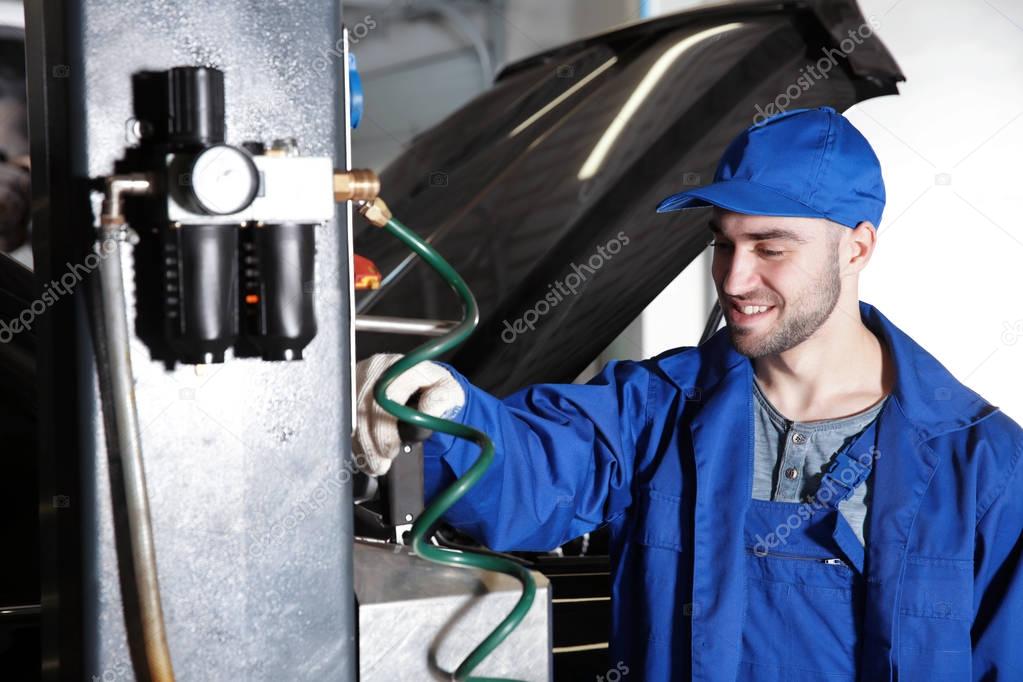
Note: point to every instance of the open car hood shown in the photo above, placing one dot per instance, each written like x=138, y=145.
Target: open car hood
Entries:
x=552, y=176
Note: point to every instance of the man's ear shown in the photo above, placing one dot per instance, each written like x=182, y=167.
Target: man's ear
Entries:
x=860, y=246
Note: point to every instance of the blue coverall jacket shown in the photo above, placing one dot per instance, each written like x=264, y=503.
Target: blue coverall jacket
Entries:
x=662, y=449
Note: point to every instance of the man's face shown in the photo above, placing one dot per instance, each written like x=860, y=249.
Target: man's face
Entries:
x=789, y=265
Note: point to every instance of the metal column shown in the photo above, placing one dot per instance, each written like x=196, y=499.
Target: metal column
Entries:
x=247, y=462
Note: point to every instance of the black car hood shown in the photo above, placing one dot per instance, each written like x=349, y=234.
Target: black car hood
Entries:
x=565, y=159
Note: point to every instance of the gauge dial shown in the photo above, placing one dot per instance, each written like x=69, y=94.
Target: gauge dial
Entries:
x=223, y=180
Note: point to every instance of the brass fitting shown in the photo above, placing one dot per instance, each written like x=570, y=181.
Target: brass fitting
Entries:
x=376, y=212
x=356, y=185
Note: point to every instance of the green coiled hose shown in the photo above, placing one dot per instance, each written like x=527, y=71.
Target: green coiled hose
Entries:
x=452, y=494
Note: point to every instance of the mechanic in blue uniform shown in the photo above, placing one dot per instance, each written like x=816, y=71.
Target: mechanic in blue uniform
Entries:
x=807, y=496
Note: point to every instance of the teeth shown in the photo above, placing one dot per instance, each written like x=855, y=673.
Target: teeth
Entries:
x=751, y=309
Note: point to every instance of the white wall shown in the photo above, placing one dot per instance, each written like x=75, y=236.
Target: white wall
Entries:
x=947, y=268
x=12, y=13
x=533, y=26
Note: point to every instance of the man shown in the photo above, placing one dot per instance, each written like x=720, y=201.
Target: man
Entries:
x=809, y=495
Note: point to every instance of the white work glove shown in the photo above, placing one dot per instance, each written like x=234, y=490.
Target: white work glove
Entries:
x=376, y=440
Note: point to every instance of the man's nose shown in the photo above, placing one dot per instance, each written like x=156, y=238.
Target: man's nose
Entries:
x=740, y=273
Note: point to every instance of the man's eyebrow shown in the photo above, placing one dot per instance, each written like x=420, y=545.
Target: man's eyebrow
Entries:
x=764, y=235
x=777, y=233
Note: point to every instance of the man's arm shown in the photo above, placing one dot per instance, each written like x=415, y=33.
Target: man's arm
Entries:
x=564, y=456
x=998, y=582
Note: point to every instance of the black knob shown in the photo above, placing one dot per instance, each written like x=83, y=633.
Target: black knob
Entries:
x=196, y=105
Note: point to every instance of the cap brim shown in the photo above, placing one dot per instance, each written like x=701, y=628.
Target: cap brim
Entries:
x=740, y=196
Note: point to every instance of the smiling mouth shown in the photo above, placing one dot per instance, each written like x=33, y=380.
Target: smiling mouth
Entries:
x=749, y=313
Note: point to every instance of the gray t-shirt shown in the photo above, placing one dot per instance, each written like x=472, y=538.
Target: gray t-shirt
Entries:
x=791, y=457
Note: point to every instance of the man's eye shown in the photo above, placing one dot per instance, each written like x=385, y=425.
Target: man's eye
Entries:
x=764, y=252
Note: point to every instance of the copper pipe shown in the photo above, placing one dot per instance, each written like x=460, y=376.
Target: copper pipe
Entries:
x=126, y=424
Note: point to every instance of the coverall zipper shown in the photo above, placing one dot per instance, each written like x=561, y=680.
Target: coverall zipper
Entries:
x=831, y=561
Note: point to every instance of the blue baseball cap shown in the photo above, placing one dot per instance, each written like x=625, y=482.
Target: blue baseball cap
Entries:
x=809, y=163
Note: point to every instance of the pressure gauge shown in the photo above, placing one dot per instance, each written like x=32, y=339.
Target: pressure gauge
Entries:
x=223, y=180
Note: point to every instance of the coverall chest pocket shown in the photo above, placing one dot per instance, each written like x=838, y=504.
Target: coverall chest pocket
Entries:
x=662, y=561
x=935, y=617
x=659, y=522
x=804, y=603
x=807, y=602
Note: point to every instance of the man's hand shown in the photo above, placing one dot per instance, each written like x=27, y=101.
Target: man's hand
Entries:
x=376, y=431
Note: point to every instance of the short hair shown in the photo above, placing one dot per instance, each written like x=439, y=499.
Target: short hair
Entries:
x=834, y=233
